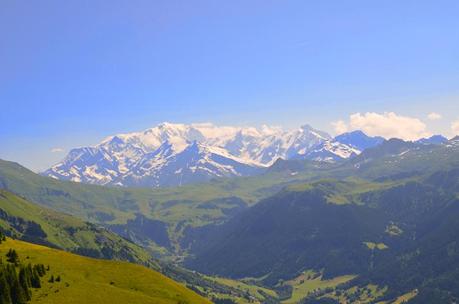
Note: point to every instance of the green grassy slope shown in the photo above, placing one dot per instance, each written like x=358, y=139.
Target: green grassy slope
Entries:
x=88, y=280
x=28, y=221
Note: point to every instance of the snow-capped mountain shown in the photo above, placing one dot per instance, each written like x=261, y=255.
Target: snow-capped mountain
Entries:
x=197, y=162
x=344, y=146
x=331, y=151
x=176, y=154
x=267, y=145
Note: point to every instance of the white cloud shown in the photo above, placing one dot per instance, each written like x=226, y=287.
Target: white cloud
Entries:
x=434, y=116
x=387, y=125
x=57, y=150
x=455, y=127
x=339, y=126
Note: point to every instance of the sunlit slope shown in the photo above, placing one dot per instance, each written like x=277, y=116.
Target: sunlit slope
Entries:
x=88, y=280
x=28, y=221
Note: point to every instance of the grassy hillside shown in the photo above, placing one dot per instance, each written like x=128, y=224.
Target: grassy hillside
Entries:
x=88, y=280
x=22, y=219
x=27, y=221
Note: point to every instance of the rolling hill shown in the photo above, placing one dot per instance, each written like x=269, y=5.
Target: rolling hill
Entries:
x=89, y=280
x=31, y=222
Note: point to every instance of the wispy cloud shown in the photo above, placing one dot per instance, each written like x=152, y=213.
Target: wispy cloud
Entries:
x=57, y=150
x=434, y=116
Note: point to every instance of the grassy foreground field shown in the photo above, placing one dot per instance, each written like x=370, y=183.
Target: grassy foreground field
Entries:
x=87, y=280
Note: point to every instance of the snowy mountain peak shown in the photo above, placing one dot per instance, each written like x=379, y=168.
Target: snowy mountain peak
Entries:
x=175, y=154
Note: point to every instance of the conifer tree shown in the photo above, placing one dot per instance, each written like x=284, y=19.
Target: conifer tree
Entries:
x=16, y=279
x=17, y=292
x=5, y=297
x=12, y=256
x=24, y=282
x=40, y=269
x=29, y=275
x=35, y=279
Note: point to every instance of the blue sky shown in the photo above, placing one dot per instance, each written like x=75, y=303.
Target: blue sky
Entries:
x=73, y=72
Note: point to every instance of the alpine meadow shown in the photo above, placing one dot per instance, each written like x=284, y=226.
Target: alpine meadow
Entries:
x=230, y=152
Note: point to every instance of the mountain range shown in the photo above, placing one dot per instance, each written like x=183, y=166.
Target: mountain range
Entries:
x=177, y=154
x=377, y=226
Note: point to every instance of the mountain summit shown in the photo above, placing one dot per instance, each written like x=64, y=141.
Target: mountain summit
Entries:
x=176, y=154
